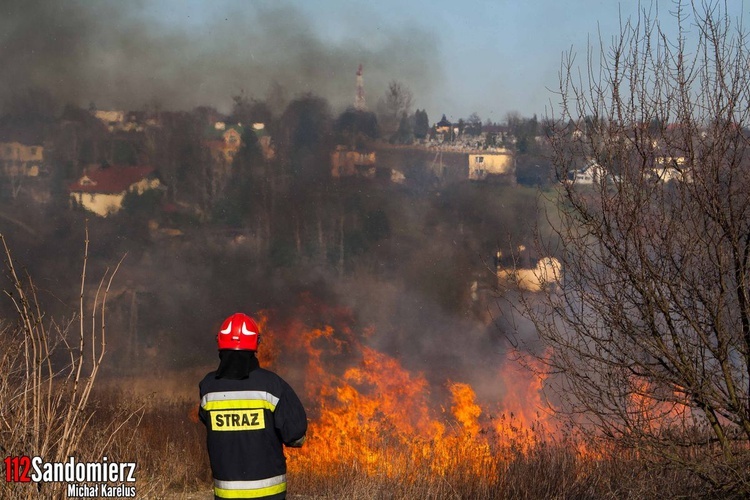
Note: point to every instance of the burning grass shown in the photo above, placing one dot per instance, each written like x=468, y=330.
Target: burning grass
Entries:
x=377, y=430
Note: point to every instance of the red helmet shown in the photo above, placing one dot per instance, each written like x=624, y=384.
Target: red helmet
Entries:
x=238, y=333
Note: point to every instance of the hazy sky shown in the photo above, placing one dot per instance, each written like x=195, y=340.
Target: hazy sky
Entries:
x=489, y=57
x=458, y=57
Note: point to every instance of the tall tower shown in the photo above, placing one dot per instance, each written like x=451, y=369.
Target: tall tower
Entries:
x=359, y=100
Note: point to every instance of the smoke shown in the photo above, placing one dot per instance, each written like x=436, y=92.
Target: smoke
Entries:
x=425, y=338
x=117, y=55
x=124, y=55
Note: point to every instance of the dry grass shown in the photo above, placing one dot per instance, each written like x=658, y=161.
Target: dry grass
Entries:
x=159, y=430
x=170, y=449
x=52, y=408
x=47, y=374
x=128, y=420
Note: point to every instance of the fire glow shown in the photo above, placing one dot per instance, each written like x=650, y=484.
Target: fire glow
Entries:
x=370, y=413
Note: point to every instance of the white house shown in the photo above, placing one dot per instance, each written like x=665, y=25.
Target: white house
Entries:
x=483, y=164
x=671, y=168
x=589, y=174
x=546, y=273
x=102, y=191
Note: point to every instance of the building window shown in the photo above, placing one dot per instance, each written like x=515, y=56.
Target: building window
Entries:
x=479, y=159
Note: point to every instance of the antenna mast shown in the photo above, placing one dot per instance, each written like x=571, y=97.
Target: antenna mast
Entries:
x=359, y=100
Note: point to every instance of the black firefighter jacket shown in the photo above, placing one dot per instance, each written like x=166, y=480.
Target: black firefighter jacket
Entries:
x=248, y=420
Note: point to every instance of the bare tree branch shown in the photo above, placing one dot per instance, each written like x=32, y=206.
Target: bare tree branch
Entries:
x=651, y=324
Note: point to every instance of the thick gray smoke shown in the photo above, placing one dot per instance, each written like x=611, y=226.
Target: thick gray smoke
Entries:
x=112, y=54
x=115, y=55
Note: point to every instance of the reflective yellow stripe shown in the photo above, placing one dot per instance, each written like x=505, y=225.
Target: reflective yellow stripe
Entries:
x=230, y=400
x=240, y=492
x=263, y=492
x=238, y=404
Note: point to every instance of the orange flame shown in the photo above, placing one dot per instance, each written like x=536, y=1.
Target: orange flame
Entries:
x=654, y=412
x=370, y=413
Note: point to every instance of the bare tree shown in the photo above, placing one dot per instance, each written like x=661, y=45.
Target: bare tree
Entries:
x=650, y=323
x=395, y=104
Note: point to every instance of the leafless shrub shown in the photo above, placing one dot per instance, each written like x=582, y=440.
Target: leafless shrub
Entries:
x=47, y=377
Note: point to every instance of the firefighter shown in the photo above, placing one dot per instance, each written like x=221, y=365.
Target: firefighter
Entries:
x=250, y=414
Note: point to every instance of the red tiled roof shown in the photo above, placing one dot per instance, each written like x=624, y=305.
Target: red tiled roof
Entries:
x=111, y=180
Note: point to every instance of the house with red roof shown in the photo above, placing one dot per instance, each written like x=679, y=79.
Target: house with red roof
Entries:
x=103, y=189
